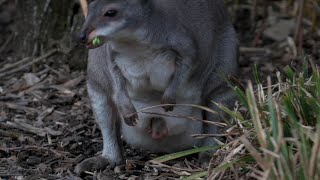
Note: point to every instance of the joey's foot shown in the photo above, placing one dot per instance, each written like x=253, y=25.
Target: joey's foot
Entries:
x=92, y=164
x=131, y=120
x=168, y=99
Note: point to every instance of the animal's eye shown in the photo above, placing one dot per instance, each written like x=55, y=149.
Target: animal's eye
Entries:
x=111, y=13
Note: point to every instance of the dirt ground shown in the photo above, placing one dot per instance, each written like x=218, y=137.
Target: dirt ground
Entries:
x=46, y=122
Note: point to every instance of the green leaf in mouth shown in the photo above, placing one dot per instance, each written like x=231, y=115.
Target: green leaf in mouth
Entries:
x=97, y=41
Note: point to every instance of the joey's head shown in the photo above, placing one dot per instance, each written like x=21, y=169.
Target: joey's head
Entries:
x=109, y=19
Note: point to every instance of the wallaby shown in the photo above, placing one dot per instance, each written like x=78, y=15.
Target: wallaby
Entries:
x=157, y=52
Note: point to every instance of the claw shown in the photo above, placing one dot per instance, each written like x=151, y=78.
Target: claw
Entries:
x=131, y=120
x=168, y=108
x=167, y=100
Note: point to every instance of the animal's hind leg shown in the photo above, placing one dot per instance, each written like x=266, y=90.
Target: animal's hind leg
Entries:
x=109, y=123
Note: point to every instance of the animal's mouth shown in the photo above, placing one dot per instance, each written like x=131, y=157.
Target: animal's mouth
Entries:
x=95, y=41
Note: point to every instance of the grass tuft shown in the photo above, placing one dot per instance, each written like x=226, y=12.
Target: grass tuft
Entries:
x=281, y=131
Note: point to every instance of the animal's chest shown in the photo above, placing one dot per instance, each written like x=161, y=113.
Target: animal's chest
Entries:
x=146, y=69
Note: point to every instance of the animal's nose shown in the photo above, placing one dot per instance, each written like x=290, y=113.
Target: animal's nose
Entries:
x=83, y=37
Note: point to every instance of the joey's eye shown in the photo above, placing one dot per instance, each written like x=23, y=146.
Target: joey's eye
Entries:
x=111, y=13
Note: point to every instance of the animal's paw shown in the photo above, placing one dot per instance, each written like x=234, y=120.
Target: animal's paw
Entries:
x=168, y=99
x=92, y=164
x=131, y=119
x=129, y=113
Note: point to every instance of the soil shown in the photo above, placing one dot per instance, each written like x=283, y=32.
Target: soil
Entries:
x=46, y=122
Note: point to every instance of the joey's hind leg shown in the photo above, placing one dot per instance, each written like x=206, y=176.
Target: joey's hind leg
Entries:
x=107, y=119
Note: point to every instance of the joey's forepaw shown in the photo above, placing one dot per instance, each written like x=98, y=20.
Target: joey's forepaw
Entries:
x=131, y=120
x=91, y=164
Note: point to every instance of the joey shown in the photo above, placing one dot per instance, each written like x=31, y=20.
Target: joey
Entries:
x=157, y=52
x=158, y=128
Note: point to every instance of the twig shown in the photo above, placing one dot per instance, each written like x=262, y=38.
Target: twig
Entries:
x=182, y=105
x=161, y=165
x=299, y=22
x=39, y=59
x=18, y=63
x=254, y=50
x=20, y=107
x=9, y=134
x=9, y=97
x=219, y=124
x=57, y=152
x=201, y=136
x=5, y=44
x=44, y=114
x=34, y=130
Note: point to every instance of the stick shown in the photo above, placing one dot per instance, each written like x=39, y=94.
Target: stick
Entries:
x=18, y=63
x=41, y=58
x=42, y=132
x=6, y=43
x=84, y=6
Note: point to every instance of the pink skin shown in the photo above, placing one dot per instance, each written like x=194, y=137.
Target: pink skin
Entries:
x=157, y=130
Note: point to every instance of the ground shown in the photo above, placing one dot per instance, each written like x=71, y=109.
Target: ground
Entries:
x=46, y=122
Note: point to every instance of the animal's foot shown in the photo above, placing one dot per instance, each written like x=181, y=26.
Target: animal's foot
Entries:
x=129, y=113
x=131, y=119
x=168, y=99
x=92, y=164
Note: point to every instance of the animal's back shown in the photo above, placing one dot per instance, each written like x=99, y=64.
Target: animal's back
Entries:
x=209, y=25
x=198, y=16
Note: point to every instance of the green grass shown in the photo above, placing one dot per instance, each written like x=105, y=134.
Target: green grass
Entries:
x=282, y=133
x=279, y=127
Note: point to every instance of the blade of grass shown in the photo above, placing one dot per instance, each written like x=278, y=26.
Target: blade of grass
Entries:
x=241, y=95
x=255, y=114
x=256, y=74
x=177, y=155
x=234, y=114
x=272, y=113
x=254, y=153
x=196, y=175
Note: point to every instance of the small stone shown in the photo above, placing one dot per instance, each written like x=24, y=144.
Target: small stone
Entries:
x=33, y=160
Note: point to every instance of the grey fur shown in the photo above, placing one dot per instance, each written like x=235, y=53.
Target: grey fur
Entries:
x=159, y=51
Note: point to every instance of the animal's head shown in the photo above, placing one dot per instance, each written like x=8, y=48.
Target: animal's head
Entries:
x=109, y=18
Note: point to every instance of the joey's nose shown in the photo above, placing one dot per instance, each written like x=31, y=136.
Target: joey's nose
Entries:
x=83, y=37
